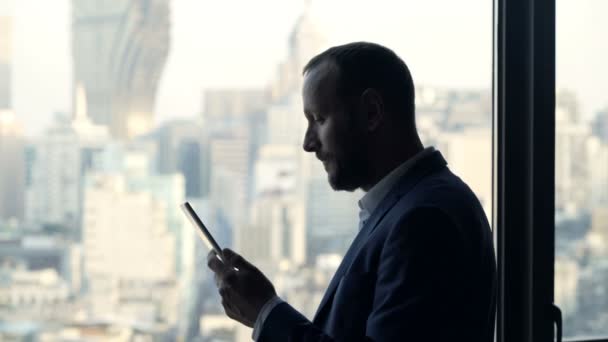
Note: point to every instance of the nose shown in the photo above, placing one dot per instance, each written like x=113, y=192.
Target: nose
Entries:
x=311, y=142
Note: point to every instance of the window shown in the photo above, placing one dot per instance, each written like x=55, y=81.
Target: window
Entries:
x=121, y=110
x=581, y=168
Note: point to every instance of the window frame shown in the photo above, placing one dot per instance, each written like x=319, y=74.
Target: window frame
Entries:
x=524, y=127
x=524, y=170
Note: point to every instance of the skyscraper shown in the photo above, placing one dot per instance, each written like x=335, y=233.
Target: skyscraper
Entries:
x=12, y=145
x=5, y=62
x=305, y=41
x=230, y=178
x=59, y=161
x=572, y=174
x=12, y=160
x=120, y=48
x=180, y=149
x=229, y=108
x=129, y=251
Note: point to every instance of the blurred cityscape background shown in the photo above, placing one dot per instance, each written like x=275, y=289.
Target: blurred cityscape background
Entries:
x=93, y=246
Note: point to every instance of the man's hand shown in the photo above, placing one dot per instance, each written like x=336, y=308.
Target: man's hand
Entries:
x=244, y=289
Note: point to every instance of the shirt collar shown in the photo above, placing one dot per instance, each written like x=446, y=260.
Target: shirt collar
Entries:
x=372, y=198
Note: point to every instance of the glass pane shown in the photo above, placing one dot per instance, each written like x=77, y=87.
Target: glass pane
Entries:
x=114, y=112
x=581, y=168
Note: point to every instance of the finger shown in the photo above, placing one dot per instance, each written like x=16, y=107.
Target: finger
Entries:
x=234, y=259
x=216, y=265
x=212, y=255
x=230, y=278
x=228, y=282
x=230, y=310
x=227, y=301
x=218, y=281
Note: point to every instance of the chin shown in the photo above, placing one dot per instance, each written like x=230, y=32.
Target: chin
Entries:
x=342, y=183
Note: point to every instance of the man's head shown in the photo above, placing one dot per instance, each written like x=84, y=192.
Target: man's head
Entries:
x=358, y=99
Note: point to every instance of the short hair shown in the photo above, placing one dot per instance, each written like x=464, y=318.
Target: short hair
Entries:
x=363, y=65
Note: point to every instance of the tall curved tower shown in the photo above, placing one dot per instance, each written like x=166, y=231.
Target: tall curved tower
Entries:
x=119, y=49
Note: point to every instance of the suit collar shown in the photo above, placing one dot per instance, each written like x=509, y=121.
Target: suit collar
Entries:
x=430, y=163
x=372, y=199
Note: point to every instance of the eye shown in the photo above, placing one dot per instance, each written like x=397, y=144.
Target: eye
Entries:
x=319, y=119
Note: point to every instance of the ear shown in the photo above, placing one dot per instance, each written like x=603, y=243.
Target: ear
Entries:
x=373, y=107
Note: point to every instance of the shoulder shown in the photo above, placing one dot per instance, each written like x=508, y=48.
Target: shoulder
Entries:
x=440, y=203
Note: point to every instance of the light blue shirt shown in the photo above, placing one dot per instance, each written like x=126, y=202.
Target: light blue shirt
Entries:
x=371, y=200
x=367, y=204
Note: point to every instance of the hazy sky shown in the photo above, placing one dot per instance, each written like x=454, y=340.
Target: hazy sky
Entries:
x=232, y=43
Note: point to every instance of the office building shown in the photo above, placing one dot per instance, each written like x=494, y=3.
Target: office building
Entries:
x=276, y=234
x=305, y=41
x=566, y=284
x=129, y=252
x=6, y=42
x=469, y=154
x=180, y=149
x=286, y=123
x=597, y=157
x=572, y=187
x=230, y=178
x=600, y=125
x=12, y=159
x=59, y=160
x=228, y=108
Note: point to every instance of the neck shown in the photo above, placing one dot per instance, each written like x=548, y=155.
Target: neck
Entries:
x=390, y=157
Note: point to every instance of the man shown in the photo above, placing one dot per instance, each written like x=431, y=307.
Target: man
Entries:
x=422, y=266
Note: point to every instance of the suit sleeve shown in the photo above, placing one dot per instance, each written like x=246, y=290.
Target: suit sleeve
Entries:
x=414, y=292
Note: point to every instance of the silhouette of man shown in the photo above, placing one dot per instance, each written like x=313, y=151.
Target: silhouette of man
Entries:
x=422, y=266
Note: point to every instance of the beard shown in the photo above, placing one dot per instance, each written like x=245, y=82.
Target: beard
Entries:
x=348, y=171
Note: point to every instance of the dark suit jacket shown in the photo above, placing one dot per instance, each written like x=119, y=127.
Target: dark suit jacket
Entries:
x=421, y=269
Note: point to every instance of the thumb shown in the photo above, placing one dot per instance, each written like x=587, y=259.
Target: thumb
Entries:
x=236, y=260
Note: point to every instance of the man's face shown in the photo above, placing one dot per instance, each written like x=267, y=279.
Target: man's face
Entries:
x=334, y=133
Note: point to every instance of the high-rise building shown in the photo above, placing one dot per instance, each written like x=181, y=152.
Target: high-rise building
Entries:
x=180, y=149
x=229, y=108
x=332, y=218
x=129, y=252
x=598, y=234
x=469, y=155
x=12, y=146
x=119, y=49
x=597, y=157
x=600, y=125
x=276, y=170
x=305, y=41
x=230, y=178
x=5, y=61
x=468, y=109
x=286, y=121
x=59, y=161
x=277, y=231
x=566, y=281
x=12, y=159
x=572, y=187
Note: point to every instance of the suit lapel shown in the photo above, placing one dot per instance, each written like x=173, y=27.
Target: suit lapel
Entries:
x=425, y=166
x=352, y=252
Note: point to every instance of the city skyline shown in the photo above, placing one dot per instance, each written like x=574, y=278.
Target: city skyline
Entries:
x=196, y=51
x=195, y=48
